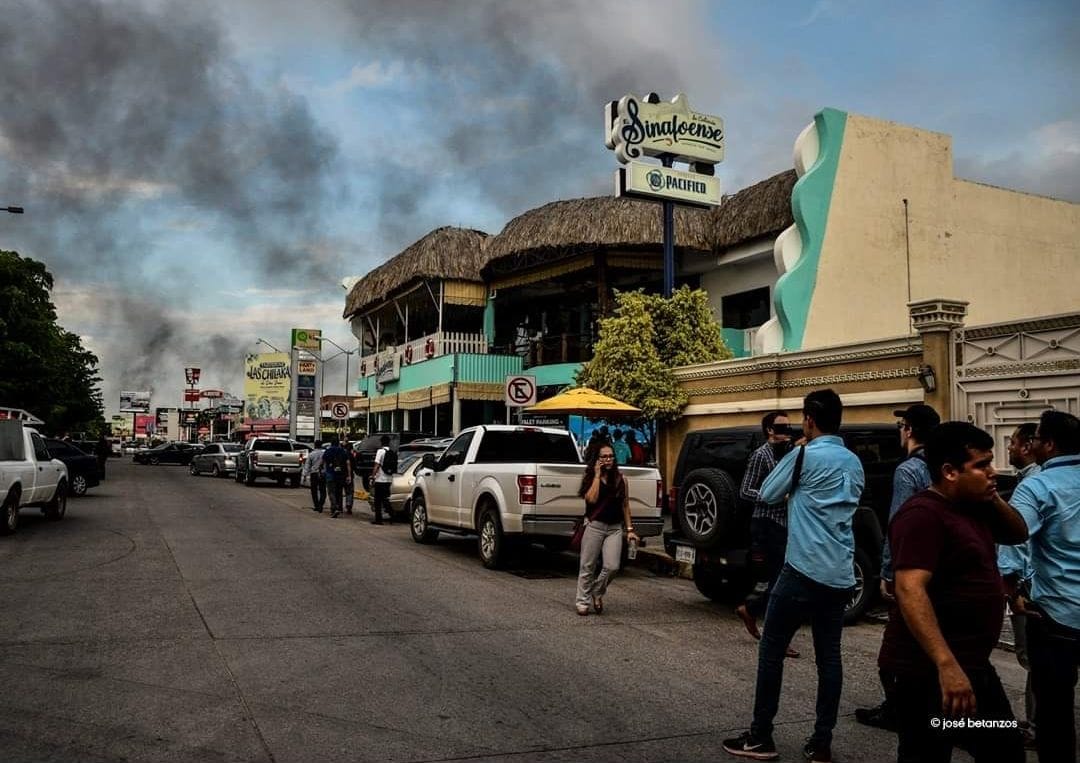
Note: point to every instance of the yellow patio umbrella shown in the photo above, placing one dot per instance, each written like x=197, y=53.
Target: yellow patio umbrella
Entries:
x=584, y=402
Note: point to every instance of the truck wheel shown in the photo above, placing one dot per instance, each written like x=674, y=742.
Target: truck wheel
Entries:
x=421, y=532
x=715, y=586
x=78, y=485
x=866, y=585
x=11, y=513
x=706, y=507
x=492, y=544
x=57, y=507
x=154, y=461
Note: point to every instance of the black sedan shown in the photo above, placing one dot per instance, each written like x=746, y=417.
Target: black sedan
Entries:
x=84, y=472
x=167, y=453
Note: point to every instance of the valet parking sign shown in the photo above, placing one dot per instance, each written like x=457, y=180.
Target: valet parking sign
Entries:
x=636, y=128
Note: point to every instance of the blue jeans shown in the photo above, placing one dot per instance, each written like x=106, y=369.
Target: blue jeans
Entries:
x=793, y=600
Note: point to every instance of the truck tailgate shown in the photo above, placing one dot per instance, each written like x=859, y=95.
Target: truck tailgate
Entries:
x=641, y=482
x=557, y=488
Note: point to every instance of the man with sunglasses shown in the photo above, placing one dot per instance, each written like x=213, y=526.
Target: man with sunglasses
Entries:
x=912, y=476
x=1049, y=502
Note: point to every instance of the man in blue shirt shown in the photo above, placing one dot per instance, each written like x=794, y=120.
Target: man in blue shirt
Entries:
x=911, y=476
x=823, y=480
x=1049, y=502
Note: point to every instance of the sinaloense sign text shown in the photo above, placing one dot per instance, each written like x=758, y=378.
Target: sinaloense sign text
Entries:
x=636, y=127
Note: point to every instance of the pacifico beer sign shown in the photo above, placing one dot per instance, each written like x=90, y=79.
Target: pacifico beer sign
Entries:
x=636, y=127
x=651, y=181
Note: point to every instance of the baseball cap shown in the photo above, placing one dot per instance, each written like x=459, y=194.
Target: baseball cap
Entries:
x=920, y=416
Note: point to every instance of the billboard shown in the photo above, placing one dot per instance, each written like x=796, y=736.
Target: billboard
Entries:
x=307, y=339
x=144, y=424
x=267, y=383
x=135, y=402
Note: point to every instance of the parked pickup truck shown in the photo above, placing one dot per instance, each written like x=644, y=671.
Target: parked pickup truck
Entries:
x=274, y=457
x=508, y=484
x=29, y=475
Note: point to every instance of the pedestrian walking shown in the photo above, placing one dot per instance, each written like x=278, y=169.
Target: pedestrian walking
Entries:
x=823, y=480
x=1050, y=505
x=607, y=516
x=313, y=471
x=102, y=450
x=337, y=471
x=768, y=522
x=350, y=486
x=951, y=601
x=911, y=476
x=382, y=474
x=1014, y=563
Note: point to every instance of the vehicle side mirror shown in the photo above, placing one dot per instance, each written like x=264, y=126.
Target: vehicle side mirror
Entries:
x=427, y=461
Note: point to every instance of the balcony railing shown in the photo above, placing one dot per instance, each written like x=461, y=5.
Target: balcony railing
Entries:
x=426, y=348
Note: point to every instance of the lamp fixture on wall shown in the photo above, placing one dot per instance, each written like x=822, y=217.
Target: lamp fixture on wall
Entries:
x=927, y=378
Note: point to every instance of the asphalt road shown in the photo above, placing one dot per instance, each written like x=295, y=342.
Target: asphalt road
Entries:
x=171, y=617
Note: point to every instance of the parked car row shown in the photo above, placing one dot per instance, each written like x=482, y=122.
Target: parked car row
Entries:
x=84, y=470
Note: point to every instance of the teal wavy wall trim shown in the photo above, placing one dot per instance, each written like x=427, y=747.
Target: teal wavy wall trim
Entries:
x=810, y=200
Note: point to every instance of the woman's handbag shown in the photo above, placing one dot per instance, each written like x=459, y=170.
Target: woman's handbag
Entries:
x=580, y=525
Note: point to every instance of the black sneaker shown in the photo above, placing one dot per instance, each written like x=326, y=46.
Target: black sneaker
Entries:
x=881, y=717
x=817, y=752
x=746, y=745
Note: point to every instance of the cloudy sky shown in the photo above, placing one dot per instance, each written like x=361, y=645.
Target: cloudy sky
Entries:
x=198, y=175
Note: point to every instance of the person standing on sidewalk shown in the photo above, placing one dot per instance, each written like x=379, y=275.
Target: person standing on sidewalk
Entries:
x=338, y=471
x=380, y=483
x=951, y=601
x=823, y=481
x=1014, y=563
x=911, y=476
x=1050, y=505
x=350, y=486
x=768, y=523
x=313, y=470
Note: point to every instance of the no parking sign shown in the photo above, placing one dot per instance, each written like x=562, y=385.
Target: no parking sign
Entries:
x=520, y=391
x=340, y=411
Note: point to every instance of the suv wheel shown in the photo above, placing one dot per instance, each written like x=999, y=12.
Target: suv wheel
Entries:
x=865, y=587
x=192, y=469
x=706, y=508
x=421, y=532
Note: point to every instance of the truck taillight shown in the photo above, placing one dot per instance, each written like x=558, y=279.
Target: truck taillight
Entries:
x=254, y=458
x=659, y=494
x=303, y=456
x=526, y=488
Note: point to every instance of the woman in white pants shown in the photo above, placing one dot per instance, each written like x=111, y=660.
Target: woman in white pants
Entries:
x=607, y=513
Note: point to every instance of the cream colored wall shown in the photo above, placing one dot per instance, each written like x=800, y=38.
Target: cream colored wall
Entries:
x=1011, y=255
x=737, y=277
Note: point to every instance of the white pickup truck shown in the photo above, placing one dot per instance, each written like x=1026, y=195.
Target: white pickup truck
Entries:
x=506, y=484
x=29, y=476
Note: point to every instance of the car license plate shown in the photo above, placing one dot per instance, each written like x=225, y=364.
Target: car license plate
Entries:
x=686, y=554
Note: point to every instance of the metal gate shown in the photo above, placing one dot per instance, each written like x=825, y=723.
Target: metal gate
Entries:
x=1009, y=373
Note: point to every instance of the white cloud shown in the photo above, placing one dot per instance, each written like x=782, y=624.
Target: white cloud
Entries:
x=372, y=74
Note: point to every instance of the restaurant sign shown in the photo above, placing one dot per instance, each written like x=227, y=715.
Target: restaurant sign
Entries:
x=651, y=181
x=636, y=127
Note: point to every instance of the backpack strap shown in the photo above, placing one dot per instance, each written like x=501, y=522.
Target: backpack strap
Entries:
x=797, y=474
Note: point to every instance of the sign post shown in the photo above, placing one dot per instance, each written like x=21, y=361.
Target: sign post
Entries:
x=636, y=127
x=519, y=392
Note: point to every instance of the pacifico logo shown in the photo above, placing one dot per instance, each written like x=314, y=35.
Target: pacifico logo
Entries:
x=656, y=180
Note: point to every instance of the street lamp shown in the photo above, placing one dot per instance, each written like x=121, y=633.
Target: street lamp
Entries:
x=263, y=341
x=346, y=353
x=13, y=210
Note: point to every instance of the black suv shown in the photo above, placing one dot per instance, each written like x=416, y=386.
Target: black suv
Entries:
x=712, y=523
x=366, y=449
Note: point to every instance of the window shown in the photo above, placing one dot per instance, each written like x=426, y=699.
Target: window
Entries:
x=457, y=451
x=59, y=448
x=525, y=446
x=278, y=446
x=745, y=310
x=41, y=453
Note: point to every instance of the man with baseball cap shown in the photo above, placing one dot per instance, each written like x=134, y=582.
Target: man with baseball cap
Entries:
x=912, y=476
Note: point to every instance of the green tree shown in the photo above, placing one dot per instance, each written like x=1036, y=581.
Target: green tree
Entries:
x=43, y=368
x=645, y=338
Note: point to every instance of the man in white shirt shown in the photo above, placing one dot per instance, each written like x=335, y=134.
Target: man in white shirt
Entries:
x=312, y=469
x=380, y=484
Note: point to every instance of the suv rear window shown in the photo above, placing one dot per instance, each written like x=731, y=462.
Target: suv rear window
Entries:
x=523, y=446
x=279, y=446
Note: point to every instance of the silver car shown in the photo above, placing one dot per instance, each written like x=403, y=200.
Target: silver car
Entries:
x=402, y=484
x=217, y=459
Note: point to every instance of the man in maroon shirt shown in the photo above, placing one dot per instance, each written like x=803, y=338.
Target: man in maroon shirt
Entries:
x=952, y=601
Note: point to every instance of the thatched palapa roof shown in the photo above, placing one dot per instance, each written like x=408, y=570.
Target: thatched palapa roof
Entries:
x=763, y=209
x=445, y=253
x=566, y=228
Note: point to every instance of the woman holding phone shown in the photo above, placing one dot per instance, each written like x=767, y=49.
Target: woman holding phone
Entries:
x=607, y=513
